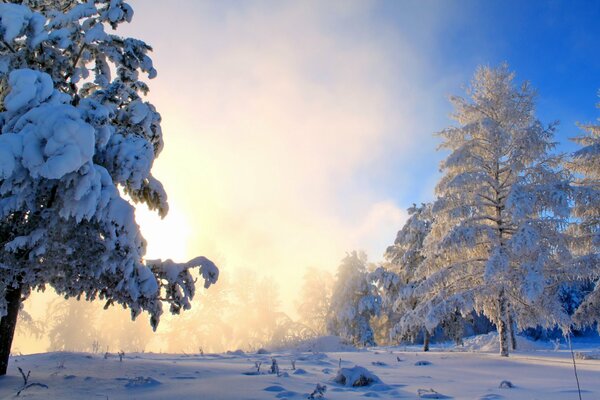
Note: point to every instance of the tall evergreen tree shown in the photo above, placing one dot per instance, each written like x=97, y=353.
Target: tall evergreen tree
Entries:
x=74, y=129
x=496, y=245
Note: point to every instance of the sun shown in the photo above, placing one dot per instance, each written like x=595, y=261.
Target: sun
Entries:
x=166, y=238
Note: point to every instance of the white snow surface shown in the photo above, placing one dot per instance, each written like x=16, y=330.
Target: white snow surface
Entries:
x=539, y=372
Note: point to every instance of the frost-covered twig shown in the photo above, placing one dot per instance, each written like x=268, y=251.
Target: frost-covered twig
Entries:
x=274, y=367
x=318, y=393
x=27, y=385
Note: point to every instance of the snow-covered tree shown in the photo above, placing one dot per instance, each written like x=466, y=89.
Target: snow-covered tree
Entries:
x=398, y=280
x=586, y=163
x=315, y=296
x=404, y=258
x=496, y=245
x=354, y=301
x=77, y=139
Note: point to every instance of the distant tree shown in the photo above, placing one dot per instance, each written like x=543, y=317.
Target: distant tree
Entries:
x=314, y=299
x=28, y=328
x=288, y=333
x=354, y=301
x=496, y=244
x=585, y=162
x=74, y=129
x=72, y=326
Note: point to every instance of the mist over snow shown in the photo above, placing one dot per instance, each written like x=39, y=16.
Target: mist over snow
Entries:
x=288, y=120
x=364, y=180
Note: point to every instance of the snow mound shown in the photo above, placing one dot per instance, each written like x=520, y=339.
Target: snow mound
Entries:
x=357, y=376
x=506, y=385
x=491, y=343
x=300, y=371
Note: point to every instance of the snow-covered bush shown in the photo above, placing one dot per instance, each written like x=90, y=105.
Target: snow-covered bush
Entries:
x=75, y=135
x=355, y=377
x=318, y=393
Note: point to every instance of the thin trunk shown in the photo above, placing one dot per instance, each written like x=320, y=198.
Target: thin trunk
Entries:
x=8, y=324
x=426, y=340
x=502, y=325
x=504, y=320
x=511, y=326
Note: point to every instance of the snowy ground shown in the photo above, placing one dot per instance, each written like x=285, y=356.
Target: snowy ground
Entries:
x=539, y=372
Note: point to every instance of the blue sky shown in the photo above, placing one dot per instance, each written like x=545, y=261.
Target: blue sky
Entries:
x=553, y=44
x=297, y=131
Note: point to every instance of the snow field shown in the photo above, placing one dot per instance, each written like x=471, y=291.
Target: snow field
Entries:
x=446, y=373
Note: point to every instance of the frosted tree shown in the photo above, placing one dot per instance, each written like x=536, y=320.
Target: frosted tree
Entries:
x=497, y=244
x=315, y=296
x=404, y=257
x=586, y=163
x=77, y=139
x=354, y=301
x=398, y=280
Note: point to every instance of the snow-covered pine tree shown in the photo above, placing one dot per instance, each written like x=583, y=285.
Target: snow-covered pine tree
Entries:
x=74, y=129
x=585, y=162
x=496, y=245
x=354, y=301
x=397, y=279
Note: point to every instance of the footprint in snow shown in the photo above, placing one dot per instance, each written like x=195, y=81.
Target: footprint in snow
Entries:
x=422, y=362
x=141, y=382
x=491, y=396
x=287, y=394
x=379, y=364
x=431, y=394
x=274, y=388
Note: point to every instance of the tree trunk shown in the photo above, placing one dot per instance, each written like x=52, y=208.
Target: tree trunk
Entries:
x=511, y=326
x=426, y=340
x=502, y=325
x=8, y=324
